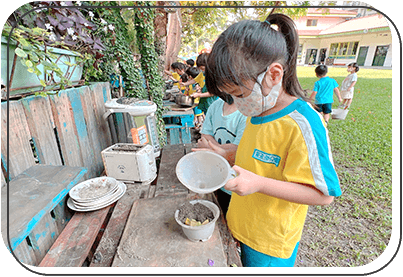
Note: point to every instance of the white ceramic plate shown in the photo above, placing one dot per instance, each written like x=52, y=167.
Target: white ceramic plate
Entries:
x=98, y=201
x=93, y=189
x=71, y=205
x=104, y=198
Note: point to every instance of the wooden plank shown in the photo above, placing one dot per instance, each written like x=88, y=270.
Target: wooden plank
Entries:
x=167, y=182
x=120, y=127
x=100, y=96
x=43, y=236
x=81, y=122
x=94, y=134
x=103, y=256
x=152, y=237
x=178, y=114
x=66, y=129
x=21, y=155
x=188, y=147
x=62, y=214
x=41, y=125
x=3, y=180
x=186, y=135
x=33, y=194
x=174, y=137
x=73, y=245
x=25, y=254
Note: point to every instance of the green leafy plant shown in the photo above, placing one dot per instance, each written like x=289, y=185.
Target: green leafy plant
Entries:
x=128, y=34
x=118, y=55
x=149, y=60
x=41, y=26
x=33, y=50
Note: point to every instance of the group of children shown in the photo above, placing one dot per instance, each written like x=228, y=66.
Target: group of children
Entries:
x=264, y=125
x=325, y=86
x=190, y=80
x=220, y=123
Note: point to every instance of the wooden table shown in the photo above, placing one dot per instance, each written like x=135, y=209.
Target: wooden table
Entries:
x=153, y=238
x=178, y=121
x=140, y=230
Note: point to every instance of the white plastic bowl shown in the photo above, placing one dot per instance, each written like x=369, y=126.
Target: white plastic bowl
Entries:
x=203, y=171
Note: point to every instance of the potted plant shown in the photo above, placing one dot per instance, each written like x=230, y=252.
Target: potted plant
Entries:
x=47, y=44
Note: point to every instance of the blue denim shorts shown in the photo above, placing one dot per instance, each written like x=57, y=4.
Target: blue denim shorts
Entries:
x=253, y=258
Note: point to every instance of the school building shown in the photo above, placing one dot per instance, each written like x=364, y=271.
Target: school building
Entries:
x=339, y=37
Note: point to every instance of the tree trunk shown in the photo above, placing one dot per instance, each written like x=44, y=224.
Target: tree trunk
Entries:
x=160, y=29
x=173, y=39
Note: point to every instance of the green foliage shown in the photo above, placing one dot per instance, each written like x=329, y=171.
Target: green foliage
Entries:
x=118, y=55
x=32, y=48
x=144, y=25
x=200, y=24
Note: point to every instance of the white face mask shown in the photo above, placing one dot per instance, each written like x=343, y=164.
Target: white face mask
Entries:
x=255, y=103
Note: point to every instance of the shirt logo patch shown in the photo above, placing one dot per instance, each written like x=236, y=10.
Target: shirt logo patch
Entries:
x=266, y=158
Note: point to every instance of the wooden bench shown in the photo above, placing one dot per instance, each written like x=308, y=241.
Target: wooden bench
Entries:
x=48, y=145
x=37, y=209
x=74, y=243
x=78, y=243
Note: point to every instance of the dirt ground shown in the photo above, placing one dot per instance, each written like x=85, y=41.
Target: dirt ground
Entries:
x=197, y=211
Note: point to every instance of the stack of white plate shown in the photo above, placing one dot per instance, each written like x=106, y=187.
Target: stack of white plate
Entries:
x=95, y=194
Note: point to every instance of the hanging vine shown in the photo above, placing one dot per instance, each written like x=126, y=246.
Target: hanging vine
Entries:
x=118, y=56
x=144, y=26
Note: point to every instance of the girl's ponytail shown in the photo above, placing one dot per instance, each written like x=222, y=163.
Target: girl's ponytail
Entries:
x=288, y=29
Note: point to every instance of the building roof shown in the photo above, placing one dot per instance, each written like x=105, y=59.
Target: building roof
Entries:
x=357, y=24
x=325, y=11
x=309, y=32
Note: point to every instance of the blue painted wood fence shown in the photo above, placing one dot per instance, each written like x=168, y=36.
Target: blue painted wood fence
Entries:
x=66, y=128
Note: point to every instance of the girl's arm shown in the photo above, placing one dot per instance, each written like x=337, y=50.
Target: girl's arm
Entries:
x=198, y=93
x=248, y=182
x=190, y=82
x=167, y=72
x=202, y=95
x=352, y=85
x=208, y=143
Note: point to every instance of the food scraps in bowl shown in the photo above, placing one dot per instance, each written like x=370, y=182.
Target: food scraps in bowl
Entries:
x=194, y=222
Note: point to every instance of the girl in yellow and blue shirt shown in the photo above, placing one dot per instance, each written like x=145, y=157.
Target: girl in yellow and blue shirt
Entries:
x=283, y=162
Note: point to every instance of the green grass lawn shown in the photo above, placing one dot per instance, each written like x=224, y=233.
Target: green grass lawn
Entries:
x=355, y=229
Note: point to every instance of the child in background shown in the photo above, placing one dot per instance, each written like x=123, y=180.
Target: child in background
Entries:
x=283, y=161
x=184, y=78
x=178, y=70
x=192, y=73
x=323, y=92
x=347, y=87
x=206, y=98
x=190, y=62
x=223, y=126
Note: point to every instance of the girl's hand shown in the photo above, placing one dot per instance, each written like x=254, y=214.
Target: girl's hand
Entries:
x=206, y=145
x=245, y=183
x=203, y=143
